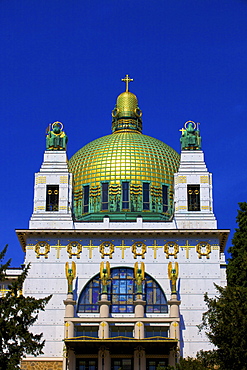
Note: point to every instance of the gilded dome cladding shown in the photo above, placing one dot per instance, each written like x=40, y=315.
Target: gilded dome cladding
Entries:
x=126, y=102
x=126, y=173
x=124, y=156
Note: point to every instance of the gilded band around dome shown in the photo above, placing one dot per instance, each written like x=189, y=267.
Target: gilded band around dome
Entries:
x=124, y=174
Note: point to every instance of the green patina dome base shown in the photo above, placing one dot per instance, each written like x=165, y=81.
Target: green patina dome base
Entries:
x=125, y=216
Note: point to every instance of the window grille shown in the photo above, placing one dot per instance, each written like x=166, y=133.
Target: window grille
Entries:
x=52, y=198
x=193, y=193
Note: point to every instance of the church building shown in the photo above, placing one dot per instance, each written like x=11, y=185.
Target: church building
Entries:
x=124, y=237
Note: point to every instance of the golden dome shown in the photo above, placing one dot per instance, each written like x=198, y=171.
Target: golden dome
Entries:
x=125, y=156
x=125, y=172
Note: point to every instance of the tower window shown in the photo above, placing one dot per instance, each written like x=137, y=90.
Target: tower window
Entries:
x=125, y=195
x=85, y=198
x=165, y=197
x=193, y=192
x=52, y=198
x=105, y=196
x=145, y=192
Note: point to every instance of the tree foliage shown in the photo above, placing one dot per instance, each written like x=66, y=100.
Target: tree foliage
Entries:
x=17, y=315
x=225, y=321
x=188, y=363
x=226, y=327
x=237, y=266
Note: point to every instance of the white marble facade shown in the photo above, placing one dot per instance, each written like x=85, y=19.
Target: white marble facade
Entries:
x=190, y=238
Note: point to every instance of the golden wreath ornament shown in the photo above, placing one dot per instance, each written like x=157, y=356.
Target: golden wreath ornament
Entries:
x=206, y=246
x=175, y=247
x=110, y=248
x=46, y=249
x=78, y=247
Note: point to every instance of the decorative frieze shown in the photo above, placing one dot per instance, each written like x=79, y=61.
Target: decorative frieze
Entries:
x=138, y=248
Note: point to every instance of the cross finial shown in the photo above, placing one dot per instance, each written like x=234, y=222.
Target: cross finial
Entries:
x=126, y=79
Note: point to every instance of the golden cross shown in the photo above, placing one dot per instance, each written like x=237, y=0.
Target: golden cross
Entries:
x=90, y=247
x=155, y=247
x=67, y=324
x=103, y=324
x=175, y=324
x=182, y=129
x=122, y=247
x=187, y=247
x=139, y=324
x=126, y=79
x=58, y=246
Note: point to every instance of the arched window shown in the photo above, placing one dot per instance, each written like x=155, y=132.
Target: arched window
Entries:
x=121, y=293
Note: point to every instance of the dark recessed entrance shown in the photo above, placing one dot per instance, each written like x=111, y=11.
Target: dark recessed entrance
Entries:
x=87, y=364
x=153, y=363
x=121, y=363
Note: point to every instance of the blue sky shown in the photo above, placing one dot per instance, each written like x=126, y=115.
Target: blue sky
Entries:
x=64, y=59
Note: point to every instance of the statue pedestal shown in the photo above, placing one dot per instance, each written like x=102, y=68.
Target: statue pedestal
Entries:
x=139, y=306
x=104, y=305
x=69, y=306
x=174, y=306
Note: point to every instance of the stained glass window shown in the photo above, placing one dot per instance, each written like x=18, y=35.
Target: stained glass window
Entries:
x=121, y=293
x=89, y=297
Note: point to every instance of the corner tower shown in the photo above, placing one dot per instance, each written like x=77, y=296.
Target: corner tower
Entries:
x=53, y=184
x=193, y=184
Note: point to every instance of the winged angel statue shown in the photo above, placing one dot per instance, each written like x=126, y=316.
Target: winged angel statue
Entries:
x=105, y=275
x=70, y=275
x=139, y=273
x=173, y=275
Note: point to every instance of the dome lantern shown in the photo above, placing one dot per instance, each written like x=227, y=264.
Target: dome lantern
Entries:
x=127, y=115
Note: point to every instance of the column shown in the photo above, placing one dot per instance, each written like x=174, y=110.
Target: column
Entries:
x=174, y=326
x=69, y=330
x=103, y=330
x=139, y=359
x=139, y=330
x=104, y=360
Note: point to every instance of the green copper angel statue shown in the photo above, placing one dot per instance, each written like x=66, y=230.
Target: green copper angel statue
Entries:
x=190, y=139
x=56, y=139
